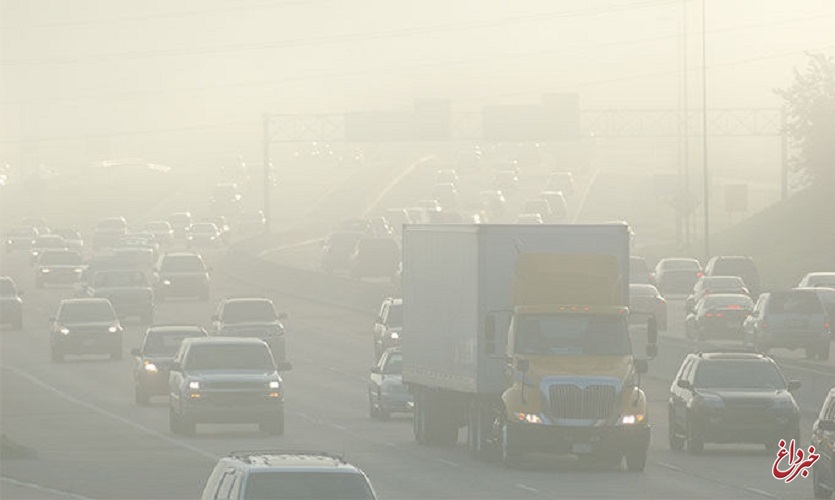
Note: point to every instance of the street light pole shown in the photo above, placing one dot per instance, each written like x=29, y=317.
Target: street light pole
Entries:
x=266, y=171
x=706, y=201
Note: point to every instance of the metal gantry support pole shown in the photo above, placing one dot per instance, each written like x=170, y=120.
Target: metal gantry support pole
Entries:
x=704, y=133
x=266, y=170
x=784, y=154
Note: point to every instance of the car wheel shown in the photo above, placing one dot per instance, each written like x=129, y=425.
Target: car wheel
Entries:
x=372, y=410
x=695, y=442
x=819, y=489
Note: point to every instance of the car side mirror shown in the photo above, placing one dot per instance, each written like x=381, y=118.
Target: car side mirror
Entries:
x=794, y=385
x=282, y=316
x=827, y=425
x=684, y=384
x=284, y=366
x=652, y=330
x=641, y=366
x=652, y=351
x=523, y=365
x=135, y=352
x=176, y=367
x=376, y=369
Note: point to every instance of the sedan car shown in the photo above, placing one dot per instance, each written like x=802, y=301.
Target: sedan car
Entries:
x=814, y=280
x=180, y=223
x=676, y=275
x=108, y=232
x=11, y=304
x=203, y=234
x=387, y=393
x=85, y=326
x=731, y=398
x=645, y=301
x=707, y=285
x=823, y=439
x=181, y=275
x=559, y=207
x=162, y=231
x=154, y=357
x=539, y=206
x=58, y=267
x=46, y=242
x=790, y=319
x=376, y=258
x=719, y=316
x=20, y=238
x=251, y=317
x=561, y=181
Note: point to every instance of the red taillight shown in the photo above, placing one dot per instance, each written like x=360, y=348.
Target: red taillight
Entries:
x=718, y=315
x=709, y=315
x=734, y=307
x=826, y=326
x=699, y=274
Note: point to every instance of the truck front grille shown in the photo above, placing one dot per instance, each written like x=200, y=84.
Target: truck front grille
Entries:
x=594, y=402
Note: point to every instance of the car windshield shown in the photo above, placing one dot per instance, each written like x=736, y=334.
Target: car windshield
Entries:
x=111, y=224
x=7, y=288
x=119, y=279
x=229, y=357
x=796, y=302
x=248, y=310
x=299, y=485
x=395, y=316
x=680, y=265
x=182, y=264
x=50, y=242
x=394, y=364
x=825, y=280
x=204, y=228
x=738, y=375
x=569, y=334
x=740, y=302
x=60, y=259
x=85, y=312
x=167, y=343
x=724, y=282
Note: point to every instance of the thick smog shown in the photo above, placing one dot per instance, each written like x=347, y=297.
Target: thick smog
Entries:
x=378, y=249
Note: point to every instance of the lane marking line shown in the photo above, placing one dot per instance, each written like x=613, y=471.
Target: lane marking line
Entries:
x=90, y=406
x=668, y=466
x=526, y=487
x=583, y=198
x=38, y=487
x=761, y=492
x=447, y=462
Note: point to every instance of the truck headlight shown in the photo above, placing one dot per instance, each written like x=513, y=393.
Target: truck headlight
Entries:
x=150, y=367
x=275, y=384
x=632, y=419
x=530, y=418
x=113, y=329
x=195, y=385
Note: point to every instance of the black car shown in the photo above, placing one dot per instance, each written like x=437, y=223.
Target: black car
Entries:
x=108, y=232
x=823, y=439
x=719, y=316
x=728, y=397
x=85, y=326
x=743, y=267
x=154, y=358
x=181, y=275
x=127, y=289
x=11, y=305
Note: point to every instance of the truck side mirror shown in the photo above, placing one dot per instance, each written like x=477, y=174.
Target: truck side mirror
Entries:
x=523, y=365
x=652, y=351
x=641, y=366
x=652, y=330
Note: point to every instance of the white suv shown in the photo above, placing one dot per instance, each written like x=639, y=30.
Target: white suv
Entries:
x=284, y=474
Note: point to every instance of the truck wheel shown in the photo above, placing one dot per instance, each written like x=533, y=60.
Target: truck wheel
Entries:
x=636, y=459
x=372, y=410
x=510, y=456
x=140, y=397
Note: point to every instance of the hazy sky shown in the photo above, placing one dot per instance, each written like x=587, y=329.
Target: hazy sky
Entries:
x=92, y=67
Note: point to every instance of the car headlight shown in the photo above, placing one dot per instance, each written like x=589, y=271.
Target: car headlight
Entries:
x=166, y=282
x=150, y=367
x=9, y=242
x=530, y=418
x=44, y=270
x=275, y=384
x=65, y=331
x=194, y=385
x=394, y=335
x=113, y=329
x=632, y=419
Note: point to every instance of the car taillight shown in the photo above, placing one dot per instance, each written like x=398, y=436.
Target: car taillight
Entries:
x=709, y=315
x=734, y=306
x=718, y=315
x=699, y=274
x=826, y=326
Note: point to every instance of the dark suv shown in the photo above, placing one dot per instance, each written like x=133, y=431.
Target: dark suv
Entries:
x=791, y=319
x=743, y=267
x=85, y=326
x=181, y=275
x=225, y=380
x=729, y=397
x=154, y=358
x=286, y=474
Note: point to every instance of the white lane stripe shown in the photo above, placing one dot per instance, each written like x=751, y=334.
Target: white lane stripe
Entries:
x=526, y=487
x=447, y=462
x=668, y=466
x=761, y=492
x=38, y=487
x=109, y=414
x=288, y=246
x=585, y=196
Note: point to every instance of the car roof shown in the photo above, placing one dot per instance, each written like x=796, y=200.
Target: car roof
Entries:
x=726, y=296
x=233, y=300
x=292, y=460
x=85, y=300
x=225, y=341
x=174, y=328
x=734, y=356
x=181, y=254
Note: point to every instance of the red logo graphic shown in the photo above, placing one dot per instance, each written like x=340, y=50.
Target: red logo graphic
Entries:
x=797, y=464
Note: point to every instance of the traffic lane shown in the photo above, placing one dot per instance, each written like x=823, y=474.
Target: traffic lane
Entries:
x=326, y=409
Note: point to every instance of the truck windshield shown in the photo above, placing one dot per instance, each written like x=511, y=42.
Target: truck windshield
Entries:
x=570, y=334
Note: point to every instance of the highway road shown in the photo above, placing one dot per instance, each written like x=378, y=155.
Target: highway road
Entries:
x=83, y=437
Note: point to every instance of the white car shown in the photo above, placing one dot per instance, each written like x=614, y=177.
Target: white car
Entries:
x=819, y=279
x=529, y=219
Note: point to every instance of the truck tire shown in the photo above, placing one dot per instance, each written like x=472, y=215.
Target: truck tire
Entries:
x=478, y=420
x=636, y=458
x=510, y=456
